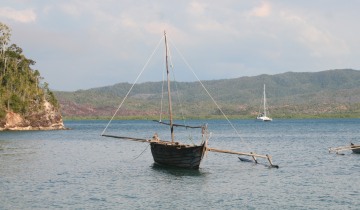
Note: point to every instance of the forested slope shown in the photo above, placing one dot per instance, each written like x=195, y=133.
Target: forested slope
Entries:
x=24, y=100
x=327, y=93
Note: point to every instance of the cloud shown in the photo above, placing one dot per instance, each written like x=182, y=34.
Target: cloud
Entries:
x=320, y=42
x=71, y=9
x=263, y=10
x=24, y=16
x=196, y=8
x=108, y=40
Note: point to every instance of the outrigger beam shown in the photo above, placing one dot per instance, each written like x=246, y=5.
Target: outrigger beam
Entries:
x=128, y=138
x=343, y=148
x=178, y=125
x=253, y=155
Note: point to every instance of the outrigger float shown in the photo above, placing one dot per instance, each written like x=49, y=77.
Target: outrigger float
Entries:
x=354, y=148
x=250, y=154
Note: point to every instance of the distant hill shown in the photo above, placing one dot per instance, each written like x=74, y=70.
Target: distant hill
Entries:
x=331, y=93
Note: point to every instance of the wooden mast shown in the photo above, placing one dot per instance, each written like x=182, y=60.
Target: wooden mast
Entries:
x=169, y=92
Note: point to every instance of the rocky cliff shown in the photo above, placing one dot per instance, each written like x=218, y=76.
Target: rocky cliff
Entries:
x=48, y=118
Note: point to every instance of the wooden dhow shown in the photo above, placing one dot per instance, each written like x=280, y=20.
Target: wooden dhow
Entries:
x=172, y=152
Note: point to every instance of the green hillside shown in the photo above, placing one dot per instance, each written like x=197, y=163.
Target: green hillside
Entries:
x=332, y=93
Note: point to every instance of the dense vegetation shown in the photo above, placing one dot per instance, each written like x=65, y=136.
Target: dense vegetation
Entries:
x=332, y=93
x=21, y=90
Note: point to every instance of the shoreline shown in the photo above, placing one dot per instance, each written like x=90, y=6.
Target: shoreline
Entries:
x=30, y=128
x=231, y=117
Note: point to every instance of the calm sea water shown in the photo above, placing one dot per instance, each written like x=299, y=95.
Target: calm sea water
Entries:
x=79, y=169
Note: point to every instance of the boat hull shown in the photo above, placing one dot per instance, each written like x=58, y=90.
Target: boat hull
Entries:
x=183, y=156
x=356, y=151
x=264, y=118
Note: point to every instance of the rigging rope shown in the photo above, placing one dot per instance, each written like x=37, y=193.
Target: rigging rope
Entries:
x=172, y=69
x=177, y=89
x=162, y=92
x=188, y=65
x=142, y=71
x=177, y=94
x=141, y=152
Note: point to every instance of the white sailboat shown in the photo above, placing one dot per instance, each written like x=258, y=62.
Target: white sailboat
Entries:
x=263, y=115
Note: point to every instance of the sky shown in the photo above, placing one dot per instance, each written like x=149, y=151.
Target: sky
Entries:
x=86, y=44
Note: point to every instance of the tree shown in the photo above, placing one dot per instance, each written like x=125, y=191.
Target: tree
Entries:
x=20, y=86
x=4, y=37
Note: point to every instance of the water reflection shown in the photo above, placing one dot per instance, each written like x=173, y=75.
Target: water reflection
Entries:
x=8, y=147
x=178, y=172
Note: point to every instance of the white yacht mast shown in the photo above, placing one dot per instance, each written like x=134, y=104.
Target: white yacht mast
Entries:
x=264, y=101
